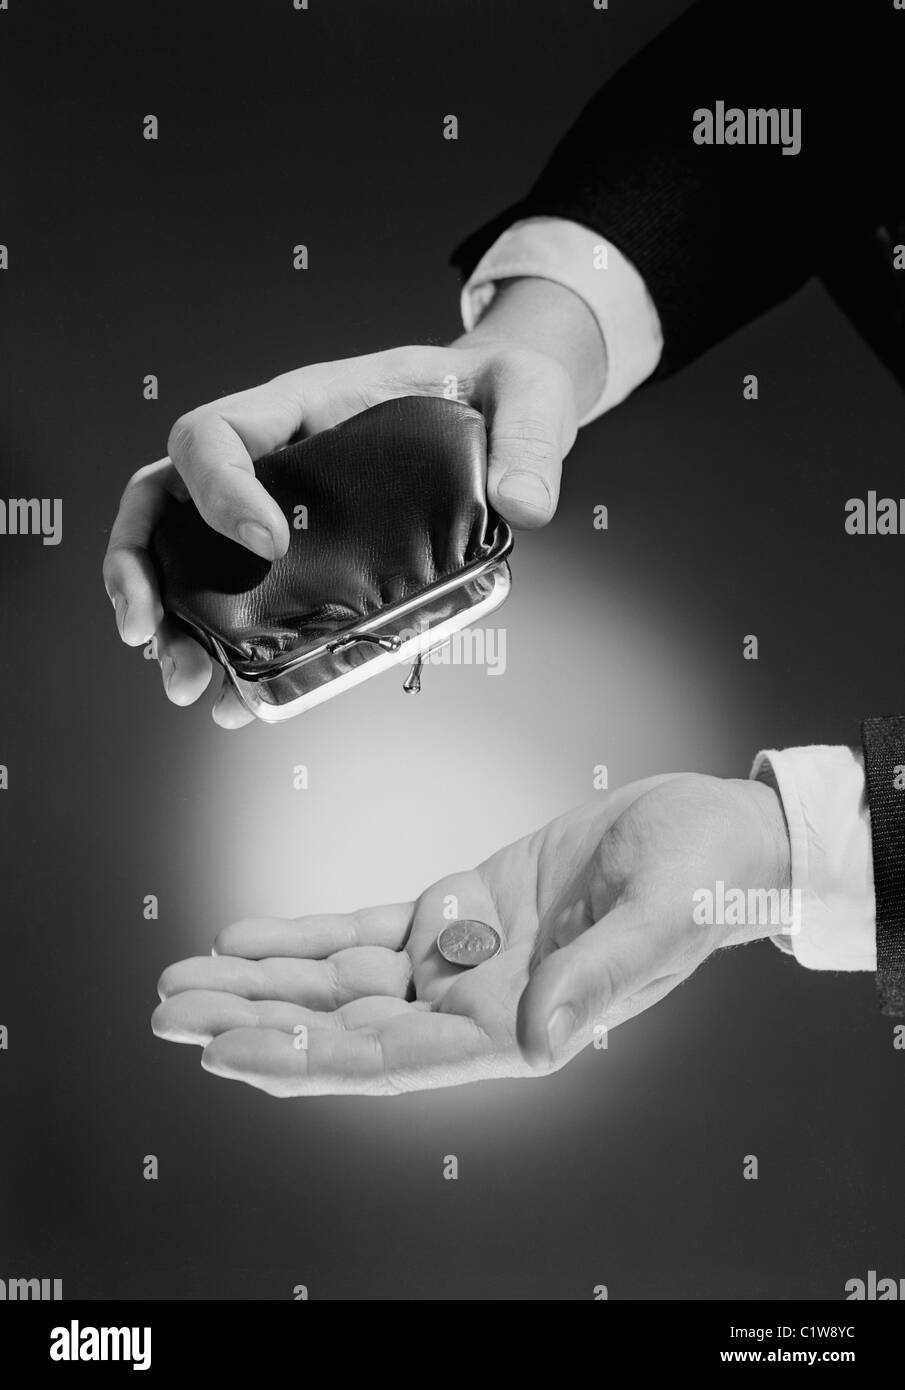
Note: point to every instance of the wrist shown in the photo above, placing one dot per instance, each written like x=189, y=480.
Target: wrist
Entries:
x=550, y=319
x=765, y=871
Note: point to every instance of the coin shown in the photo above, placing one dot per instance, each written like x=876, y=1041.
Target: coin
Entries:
x=468, y=943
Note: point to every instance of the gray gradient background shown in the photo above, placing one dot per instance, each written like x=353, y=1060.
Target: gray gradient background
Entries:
x=624, y=648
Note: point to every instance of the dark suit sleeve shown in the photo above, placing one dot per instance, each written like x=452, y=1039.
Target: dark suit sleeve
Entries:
x=883, y=741
x=721, y=233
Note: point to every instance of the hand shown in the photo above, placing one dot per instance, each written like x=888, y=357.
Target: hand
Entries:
x=596, y=913
x=529, y=367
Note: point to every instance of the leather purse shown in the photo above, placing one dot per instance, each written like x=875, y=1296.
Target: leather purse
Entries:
x=394, y=548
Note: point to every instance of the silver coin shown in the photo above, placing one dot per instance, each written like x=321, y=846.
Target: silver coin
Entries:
x=469, y=943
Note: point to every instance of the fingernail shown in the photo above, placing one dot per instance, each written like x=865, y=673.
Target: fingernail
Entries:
x=257, y=538
x=528, y=489
x=167, y=667
x=560, y=1027
x=122, y=609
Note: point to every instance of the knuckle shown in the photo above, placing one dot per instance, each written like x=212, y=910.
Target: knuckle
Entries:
x=110, y=567
x=149, y=472
x=532, y=430
x=140, y=491
x=534, y=454
x=617, y=857
x=212, y=500
x=336, y=990
x=529, y=368
x=406, y=363
x=133, y=487
x=610, y=986
x=386, y=1086
x=527, y=443
x=698, y=941
x=181, y=438
x=382, y=1081
x=405, y=972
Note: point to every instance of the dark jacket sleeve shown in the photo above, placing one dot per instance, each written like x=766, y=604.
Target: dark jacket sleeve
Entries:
x=883, y=742
x=721, y=233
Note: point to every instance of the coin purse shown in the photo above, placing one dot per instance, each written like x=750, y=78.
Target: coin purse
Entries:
x=394, y=548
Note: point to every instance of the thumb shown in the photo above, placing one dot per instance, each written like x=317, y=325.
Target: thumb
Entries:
x=529, y=431
x=625, y=962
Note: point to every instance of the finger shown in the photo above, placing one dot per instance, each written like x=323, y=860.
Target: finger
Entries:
x=527, y=432
x=414, y=1051
x=213, y=449
x=129, y=575
x=317, y=984
x=228, y=710
x=586, y=983
x=317, y=936
x=185, y=667
x=199, y=1015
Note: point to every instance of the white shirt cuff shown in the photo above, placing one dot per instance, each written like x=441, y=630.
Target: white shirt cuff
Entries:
x=823, y=797
x=552, y=248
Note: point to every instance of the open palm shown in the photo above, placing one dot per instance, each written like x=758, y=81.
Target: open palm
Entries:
x=594, y=909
